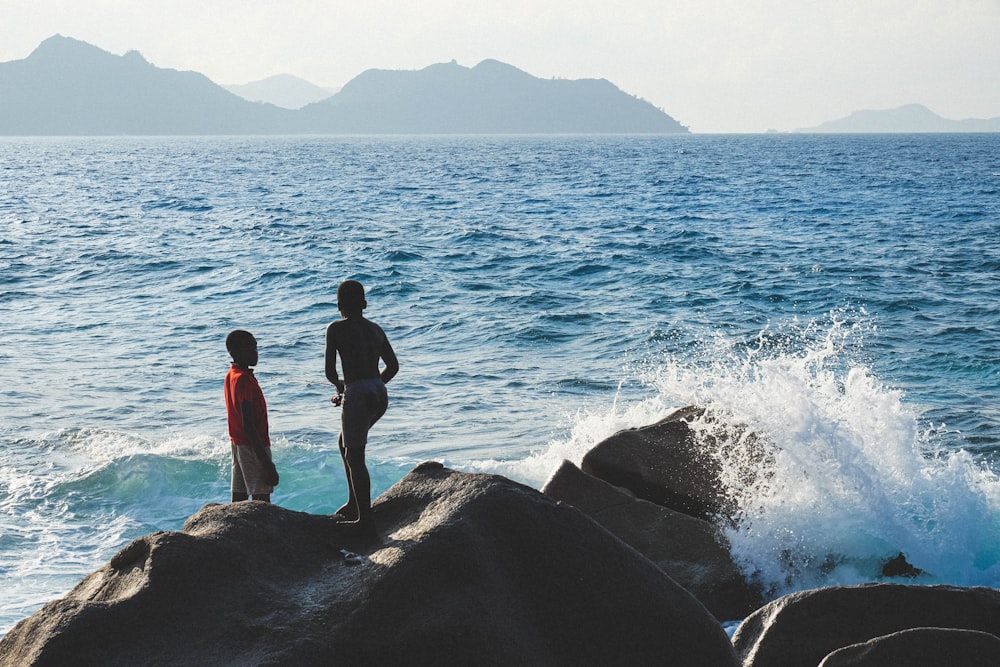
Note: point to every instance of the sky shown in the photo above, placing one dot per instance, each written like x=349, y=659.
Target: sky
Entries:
x=716, y=66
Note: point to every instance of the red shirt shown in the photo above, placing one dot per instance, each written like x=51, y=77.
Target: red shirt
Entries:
x=242, y=386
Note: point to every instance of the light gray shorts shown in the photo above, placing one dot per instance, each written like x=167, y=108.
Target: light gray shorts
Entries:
x=248, y=473
x=365, y=401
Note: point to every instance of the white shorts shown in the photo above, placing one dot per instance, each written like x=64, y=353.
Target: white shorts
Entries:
x=248, y=473
x=365, y=401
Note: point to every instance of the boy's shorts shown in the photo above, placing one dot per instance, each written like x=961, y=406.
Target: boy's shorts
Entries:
x=248, y=473
x=365, y=401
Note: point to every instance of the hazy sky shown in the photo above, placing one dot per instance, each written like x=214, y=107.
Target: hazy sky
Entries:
x=713, y=65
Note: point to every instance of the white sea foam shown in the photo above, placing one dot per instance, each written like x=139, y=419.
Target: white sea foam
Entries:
x=854, y=476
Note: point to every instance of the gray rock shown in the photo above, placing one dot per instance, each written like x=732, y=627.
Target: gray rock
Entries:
x=803, y=628
x=665, y=463
x=693, y=552
x=921, y=647
x=466, y=569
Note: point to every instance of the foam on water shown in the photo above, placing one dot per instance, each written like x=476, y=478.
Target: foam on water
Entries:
x=850, y=475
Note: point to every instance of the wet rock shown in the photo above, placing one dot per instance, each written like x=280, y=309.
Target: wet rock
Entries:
x=803, y=628
x=921, y=647
x=670, y=464
x=900, y=567
x=693, y=552
x=466, y=569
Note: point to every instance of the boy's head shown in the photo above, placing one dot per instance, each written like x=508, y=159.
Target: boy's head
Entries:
x=242, y=347
x=351, y=298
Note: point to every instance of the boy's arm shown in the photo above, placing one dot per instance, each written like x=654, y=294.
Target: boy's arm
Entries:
x=331, y=360
x=391, y=363
x=257, y=444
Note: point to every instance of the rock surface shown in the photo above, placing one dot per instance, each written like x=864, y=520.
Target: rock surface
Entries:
x=921, y=647
x=467, y=569
x=803, y=628
x=692, y=551
x=666, y=464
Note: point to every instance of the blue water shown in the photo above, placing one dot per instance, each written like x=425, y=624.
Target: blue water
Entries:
x=839, y=294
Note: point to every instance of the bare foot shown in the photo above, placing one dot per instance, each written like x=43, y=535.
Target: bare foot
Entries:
x=348, y=512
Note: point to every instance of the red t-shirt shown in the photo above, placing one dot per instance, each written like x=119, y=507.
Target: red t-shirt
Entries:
x=242, y=386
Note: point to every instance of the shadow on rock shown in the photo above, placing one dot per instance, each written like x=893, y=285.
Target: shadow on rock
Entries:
x=692, y=551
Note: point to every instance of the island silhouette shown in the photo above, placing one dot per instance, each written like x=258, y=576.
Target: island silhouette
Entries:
x=69, y=87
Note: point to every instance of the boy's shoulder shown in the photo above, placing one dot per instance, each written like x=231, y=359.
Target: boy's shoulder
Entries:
x=240, y=375
x=351, y=322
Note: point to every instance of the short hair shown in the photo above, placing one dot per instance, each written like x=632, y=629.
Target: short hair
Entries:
x=351, y=297
x=239, y=339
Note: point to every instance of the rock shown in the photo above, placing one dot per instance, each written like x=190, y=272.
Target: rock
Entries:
x=693, y=552
x=921, y=647
x=802, y=628
x=900, y=567
x=467, y=569
x=665, y=463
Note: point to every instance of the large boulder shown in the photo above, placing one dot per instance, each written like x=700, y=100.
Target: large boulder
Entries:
x=921, y=647
x=671, y=464
x=802, y=628
x=467, y=569
x=693, y=552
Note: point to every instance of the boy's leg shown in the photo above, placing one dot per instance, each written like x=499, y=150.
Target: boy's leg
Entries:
x=361, y=484
x=238, y=486
x=360, y=411
x=350, y=509
x=363, y=526
x=246, y=476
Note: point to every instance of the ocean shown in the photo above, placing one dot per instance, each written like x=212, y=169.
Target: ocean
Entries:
x=839, y=294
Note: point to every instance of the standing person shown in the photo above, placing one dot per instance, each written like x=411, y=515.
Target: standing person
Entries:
x=360, y=344
x=254, y=474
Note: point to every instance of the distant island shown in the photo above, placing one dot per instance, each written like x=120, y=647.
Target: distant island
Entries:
x=913, y=118
x=282, y=90
x=69, y=87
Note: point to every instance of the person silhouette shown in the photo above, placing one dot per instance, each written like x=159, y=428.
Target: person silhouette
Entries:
x=360, y=344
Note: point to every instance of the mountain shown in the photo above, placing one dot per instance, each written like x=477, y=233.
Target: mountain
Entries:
x=490, y=98
x=907, y=118
x=68, y=87
x=283, y=90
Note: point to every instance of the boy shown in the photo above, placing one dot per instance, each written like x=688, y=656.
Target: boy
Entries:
x=360, y=343
x=254, y=474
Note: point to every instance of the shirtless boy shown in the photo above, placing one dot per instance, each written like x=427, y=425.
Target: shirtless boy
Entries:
x=360, y=344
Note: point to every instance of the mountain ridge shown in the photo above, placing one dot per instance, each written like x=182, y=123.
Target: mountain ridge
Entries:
x=282, y=90
x=491, y=97
x=66, y=86
x=913, y=118
x=69, y=87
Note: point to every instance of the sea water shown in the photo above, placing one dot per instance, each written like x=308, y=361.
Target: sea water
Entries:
x=837, y=296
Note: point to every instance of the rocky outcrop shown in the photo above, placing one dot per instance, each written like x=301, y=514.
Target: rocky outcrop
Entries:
x=691, y=551
x=919, y=647
x=803, y=628
x=677, y=466
x=467, y=569
x=668, y=464
x=661, y=463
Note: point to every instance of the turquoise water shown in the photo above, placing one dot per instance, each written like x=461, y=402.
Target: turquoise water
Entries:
x=838, y=293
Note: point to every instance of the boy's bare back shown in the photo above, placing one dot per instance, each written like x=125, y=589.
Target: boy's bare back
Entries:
x=360, y=344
